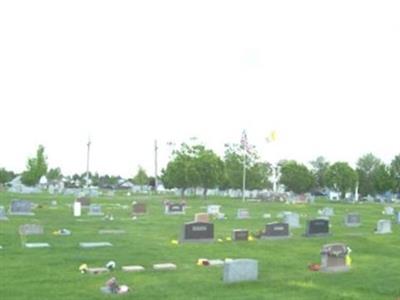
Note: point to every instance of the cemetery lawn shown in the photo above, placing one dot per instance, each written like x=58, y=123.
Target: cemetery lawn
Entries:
x=52, y=273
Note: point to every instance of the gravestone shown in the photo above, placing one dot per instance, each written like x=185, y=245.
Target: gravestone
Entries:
x=138, y=208
x=317, y=227
x=95, y=210
x=213, y=209
x=243, y=213
x=3, y=216
x=30, y=229
x=276, y=231
x=240, y=235
x=383, y=227
x=239, y=270
x=388, y=211
x=352, y=220
x=198, y=232
x=175, y=209
x=21, y=208
x=94, y=244
x=84, y=201
x=163, y=267
x=333, y=258
x=37, y=245
x=202, y=217
x=327, y=212
x=77, y=209
x=397, y=216
x=293, y=219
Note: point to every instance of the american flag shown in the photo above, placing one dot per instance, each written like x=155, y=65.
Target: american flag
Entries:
x=244, y=142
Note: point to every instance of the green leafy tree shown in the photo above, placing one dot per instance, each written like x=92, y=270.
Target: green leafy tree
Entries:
x=340, y=176
x=395, y=173
x=54, y=174
x=181, y=171
x=36, y=168
x=296, y=177
x=257, y=176
x=5, y=176
x=366, y=167
x=141, y=177
x=319, y=168
x=383, y=181
x=209, y=168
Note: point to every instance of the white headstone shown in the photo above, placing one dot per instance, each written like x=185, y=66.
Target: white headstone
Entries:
x=238, y=270
x=213, y=209
x=77, y=209
x=383, y=226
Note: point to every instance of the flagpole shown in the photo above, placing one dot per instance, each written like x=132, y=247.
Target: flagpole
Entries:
x=244, y=177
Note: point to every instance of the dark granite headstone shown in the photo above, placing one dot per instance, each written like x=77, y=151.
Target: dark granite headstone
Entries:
x=84, y=201
x=175, y=208
x=317, y=227
x=276, y=230
x=198, y=232
x=240, y=235
x=139, y=208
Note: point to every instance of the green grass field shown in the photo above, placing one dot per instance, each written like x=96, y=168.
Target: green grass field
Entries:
x=52, y=273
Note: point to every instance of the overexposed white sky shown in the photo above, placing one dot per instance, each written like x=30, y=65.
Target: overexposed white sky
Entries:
x=324, y=74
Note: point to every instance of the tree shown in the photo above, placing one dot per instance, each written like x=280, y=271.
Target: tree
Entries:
x=382, y=179
x=340, y=176
x=366, y=167
x=257, y=176
x=54, y=174
x=181, y=170
x=395, y=173
x=36, y=168
x=296, y=177
x=209, y=168
x=141, y=177
x=5, y=176
x=319, y=168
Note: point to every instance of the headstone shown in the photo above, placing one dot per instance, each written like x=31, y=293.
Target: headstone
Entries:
x=94, y=244
x=327, y=212
x=111, y=231
x=216, y=263
x=166, y=266
x=397, y=216
x=198, y=232
x=383, y=227
x=333, y=258
x=352, y=220
x=30, y=229
x=3, y=216
x=293, y=219
x=77, y=209
x=213, y=209
x=276, y=231
x=95, y=210
x=202, y=217
x=84, y=201
x=317, y=227
x=240, y=235
x=243, y=213
x=21, y=208
x=37, y=245
x=388, y=210
x=238, y=270
x=175, y=209
x=133, y=268
x=96, y=271
x=138, y=208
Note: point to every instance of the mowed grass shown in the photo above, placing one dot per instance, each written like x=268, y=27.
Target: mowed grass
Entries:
x=283, y=274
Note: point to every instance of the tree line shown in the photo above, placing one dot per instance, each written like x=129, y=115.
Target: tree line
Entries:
x=195, y=165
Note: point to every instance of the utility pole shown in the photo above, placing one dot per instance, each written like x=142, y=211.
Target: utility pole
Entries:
x=155, y=166
x=87, y=162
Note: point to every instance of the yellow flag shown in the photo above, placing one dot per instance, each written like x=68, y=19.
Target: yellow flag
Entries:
x=271, y=137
